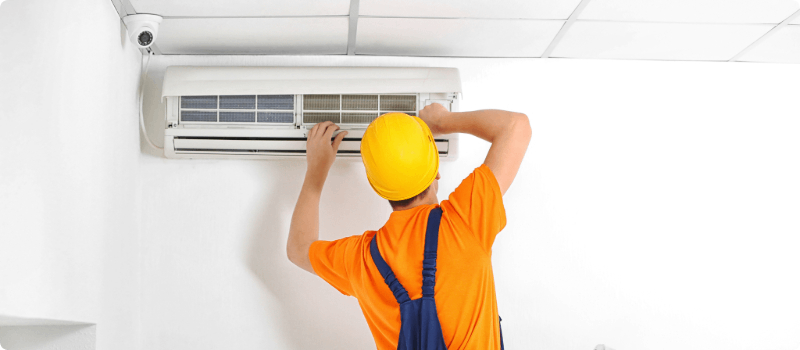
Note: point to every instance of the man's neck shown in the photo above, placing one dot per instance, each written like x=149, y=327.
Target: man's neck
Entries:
x=421, y=201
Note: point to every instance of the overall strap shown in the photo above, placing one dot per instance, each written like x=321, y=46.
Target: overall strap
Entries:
x=400, y=293
x=431, y=247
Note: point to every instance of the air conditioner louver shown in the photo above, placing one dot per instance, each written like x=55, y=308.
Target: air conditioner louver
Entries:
x=267, y=145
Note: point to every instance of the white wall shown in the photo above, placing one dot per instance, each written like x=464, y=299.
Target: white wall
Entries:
x=73, y=337
x=69, y=187
x=656, y=209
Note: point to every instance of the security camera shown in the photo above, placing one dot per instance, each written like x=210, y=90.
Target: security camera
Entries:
x=142, y=29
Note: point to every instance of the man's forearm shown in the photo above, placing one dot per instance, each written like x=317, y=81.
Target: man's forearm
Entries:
x=488, y=124
x=304, y=228
x=508, y=132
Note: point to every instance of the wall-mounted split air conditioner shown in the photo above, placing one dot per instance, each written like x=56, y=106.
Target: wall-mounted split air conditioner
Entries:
x=266, y=112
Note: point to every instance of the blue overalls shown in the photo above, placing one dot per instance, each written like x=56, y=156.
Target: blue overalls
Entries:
x=419, y=324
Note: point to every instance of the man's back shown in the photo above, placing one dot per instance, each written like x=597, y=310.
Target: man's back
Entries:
x=464, y=293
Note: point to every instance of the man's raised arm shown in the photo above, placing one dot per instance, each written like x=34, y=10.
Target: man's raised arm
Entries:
x=508, y=132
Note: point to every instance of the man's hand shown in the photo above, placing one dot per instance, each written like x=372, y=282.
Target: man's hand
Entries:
x=435, y=115
x=320, y=152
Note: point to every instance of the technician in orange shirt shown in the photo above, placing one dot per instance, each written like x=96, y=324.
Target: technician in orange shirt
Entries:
x=424, y=280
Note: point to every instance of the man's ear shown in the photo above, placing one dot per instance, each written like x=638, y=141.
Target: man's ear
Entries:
x=438, y=176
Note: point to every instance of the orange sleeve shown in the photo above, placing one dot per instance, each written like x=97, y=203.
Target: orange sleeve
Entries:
x=479, y=203
x=331, y=260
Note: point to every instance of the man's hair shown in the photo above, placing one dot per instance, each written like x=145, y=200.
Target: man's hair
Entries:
x=406, y=202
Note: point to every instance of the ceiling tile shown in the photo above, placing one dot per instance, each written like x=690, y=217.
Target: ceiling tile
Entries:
x=782, y=46
x=660, y=41
x=535, y=9
x=697, y=11
x=455, y=37
x=241, y=8
x=796, y=20
x=306, y=36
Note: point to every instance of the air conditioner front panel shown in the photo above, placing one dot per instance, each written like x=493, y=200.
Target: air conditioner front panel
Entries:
x=198, y=81
x=257, y=112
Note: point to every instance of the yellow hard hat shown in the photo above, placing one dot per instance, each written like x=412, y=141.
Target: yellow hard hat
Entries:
x=400, y=156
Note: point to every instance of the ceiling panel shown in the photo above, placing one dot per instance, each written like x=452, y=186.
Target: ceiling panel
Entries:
x=697, y=11
x=455, y=37
x=536, y=9
x=625, y=40
x=782, y=46
x=290, y=36
x=241, y=8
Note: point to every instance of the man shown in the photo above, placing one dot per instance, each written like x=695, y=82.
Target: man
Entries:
x=449, y=300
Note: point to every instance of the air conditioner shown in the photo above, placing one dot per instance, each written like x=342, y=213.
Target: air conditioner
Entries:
x=266, y=112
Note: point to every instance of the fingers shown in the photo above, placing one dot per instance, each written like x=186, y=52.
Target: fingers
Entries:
x=319, y=129
x=338, y=140
x=313, y=130
x=329, y=129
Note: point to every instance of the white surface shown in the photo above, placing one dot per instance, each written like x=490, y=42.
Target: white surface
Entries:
x=697, y=11
x=185, y=81
x=783, y=46
x=454, y=37
x=48, y=338
x=69, y=195
x=476, y=28
x=301, y=36
x=796, y=21
x=22, y=321
x=653, y=193
x=242, y=8
x=537, y=9
x=590, y=39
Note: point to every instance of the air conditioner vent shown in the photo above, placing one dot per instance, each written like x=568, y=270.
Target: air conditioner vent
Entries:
x=313, y=118
x=277, y=109
x=355, y=108
x=360, y=102
x=198, y=116
x=237, y=117
x=199, y=102
x=358, y=118
x=275, y=117
x=398, y=103
x=321, y=102
x=280, y=102
x=237, y=102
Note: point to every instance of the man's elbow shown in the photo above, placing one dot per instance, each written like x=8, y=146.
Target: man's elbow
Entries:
x=291, y=254
x=522, y=126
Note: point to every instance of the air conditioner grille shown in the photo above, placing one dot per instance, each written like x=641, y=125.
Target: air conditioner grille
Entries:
x=275, y=117
x=285, y=102
x=360, y=102
x=198, y=116
x=358, y=109
x=321, y=102
x=238, y=109
x=313, y=118
x=199, y=102
x=398, y=103
x=358, y=118
x=355, y=108
x=237, y=117
x=237, y=102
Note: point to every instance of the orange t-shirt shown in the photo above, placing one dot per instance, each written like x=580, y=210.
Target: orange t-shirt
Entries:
x=464, y=293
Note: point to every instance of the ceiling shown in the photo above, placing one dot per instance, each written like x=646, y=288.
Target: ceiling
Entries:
x=695, y=30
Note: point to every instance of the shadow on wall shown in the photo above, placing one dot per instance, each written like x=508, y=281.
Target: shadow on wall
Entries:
x=81, y=337
x=313, y=314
